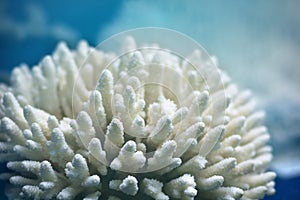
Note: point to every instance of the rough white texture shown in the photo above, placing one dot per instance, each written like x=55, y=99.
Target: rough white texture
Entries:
x=73, y=129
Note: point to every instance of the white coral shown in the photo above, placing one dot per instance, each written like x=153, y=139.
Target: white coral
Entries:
x=67, y=133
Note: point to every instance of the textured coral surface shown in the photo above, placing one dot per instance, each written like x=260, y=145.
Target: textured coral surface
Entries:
x=144, y=126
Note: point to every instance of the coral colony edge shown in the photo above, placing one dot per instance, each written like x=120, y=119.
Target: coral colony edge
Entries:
x=143, y=126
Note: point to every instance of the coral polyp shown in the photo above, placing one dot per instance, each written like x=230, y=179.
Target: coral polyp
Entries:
x=147, y=125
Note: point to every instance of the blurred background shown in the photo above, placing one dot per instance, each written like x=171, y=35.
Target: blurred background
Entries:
x=257, y=42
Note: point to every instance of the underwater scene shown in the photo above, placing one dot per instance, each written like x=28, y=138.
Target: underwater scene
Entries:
x=254, y=45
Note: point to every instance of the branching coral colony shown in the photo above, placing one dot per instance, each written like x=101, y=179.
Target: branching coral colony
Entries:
x=76, y=129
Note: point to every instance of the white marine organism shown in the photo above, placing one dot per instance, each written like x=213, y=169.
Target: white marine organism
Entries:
x=79, y=127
